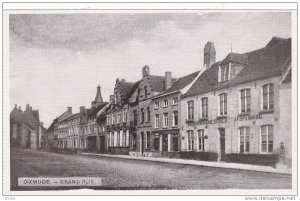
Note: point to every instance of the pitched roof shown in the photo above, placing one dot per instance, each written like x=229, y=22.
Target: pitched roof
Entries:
x=73, y=116
x=182, y=82
x=51, y=127
x=93, y=112
x=234, y=57
x=262, y=63
x=158, y=82
x=132, y=90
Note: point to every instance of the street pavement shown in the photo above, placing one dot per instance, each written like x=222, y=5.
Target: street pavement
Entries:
x=126, y=174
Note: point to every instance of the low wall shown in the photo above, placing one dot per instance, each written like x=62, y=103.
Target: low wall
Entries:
x=255, y=159
x=119, y=150
x=201, y=156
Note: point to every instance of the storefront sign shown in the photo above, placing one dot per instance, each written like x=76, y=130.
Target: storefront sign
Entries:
x=212, y=121
x=248, y=117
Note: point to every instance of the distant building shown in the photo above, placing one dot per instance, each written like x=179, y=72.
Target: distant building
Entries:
x=26, y=128
x=61, y=130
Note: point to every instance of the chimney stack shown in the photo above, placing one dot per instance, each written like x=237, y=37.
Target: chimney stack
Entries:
x=30, y=108
x=146, y=71
x=209, y=55
x=16, y=106
x=69, y=109
x=42, y=124
x=82, y=110
x=20, y=108
x=168, y=80
x=27, y=106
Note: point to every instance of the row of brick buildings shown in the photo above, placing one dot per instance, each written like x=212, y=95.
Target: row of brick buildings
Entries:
x=237, y=109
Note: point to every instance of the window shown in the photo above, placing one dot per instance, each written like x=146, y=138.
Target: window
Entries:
x=201, y=140
x=245, y=100
x=190, y=140
x=148, y=140
x=175, y=101
x=148, y=114
x=146, y=92
x=175, y=118
x=268, y=96
x=175, y=142
x=190, y=110
x=112, y=119
x=224, y=73
x=156, y=121
x=204, y=107
x=142, y=115
x=166, y=103
x=156, y=105
x=244, y=133
x=266, y=132
x=124, y=139
x=166, y=120
x=223, y=104
x=124, y=115
x=119, y=117
x=134, y=117
x=118, y=138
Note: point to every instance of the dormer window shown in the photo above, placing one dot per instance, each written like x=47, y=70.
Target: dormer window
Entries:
x=224, y=71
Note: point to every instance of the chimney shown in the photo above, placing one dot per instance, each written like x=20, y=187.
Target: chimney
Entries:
x=168, y=80
x=20, y=108
x=111, y=98
x=16, y=106
x=146, y=71
x=42, y=124
x=82, y=110
x=69, y=109
x=209, y=55
x=30, y=108
x=27, y=106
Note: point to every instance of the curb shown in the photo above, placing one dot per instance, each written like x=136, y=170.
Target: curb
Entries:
x=237, y=166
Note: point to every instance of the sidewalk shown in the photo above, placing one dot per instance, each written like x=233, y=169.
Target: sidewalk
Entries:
x=200, y=163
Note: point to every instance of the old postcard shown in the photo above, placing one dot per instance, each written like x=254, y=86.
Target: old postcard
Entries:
x=150, y=99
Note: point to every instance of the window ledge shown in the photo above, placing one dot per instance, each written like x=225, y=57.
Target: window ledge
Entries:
x=222, y=117
x=190, y=121
x=203, y=119
x=244, y=114
x=165, y=106
x=266, y=111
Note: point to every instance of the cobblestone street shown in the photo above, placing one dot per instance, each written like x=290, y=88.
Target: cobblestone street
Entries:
x=132, y=174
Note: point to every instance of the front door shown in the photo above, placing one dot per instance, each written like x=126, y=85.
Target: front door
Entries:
x=164, y=145
x=102, y=144
x=142, y=142
x=222, y=143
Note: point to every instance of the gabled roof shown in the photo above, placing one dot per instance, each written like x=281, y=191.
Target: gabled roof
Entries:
x=180, y=83
x=234, y=57
x=93, y=112
x=262, y=63
x=51, y=128
x=132, y=90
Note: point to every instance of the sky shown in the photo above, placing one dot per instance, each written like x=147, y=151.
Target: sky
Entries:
x=57, y=60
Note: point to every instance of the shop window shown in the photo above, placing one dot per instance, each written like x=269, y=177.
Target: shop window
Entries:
x=190, y=110
x=223, y=104
x=266, y=133
x=201, y=139
x=244, y=136
x=133, y=141
x=118, y=139
x=204, y=107
x=175, y=142
x=245, y=100
x=156, y=143
x=190, y=140
x=175, y=118
x=268, y=96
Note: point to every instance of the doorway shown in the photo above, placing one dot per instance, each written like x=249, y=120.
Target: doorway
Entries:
x=102, y=144
x=142, y=142
x=222, y=143
x=164, y=145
